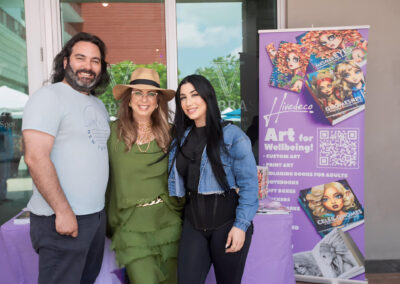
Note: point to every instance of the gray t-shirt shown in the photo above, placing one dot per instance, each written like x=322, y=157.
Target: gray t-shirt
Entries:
x=79, y=124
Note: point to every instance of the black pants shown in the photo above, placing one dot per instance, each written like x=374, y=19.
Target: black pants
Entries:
x=64, y=259
x=198, y=249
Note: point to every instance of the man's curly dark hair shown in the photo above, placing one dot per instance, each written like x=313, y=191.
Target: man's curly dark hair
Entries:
x=58, y=63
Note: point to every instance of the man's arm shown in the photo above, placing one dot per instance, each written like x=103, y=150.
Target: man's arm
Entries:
x=38, y=147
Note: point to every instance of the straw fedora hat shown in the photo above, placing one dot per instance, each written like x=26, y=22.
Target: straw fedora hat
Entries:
x=143, y=79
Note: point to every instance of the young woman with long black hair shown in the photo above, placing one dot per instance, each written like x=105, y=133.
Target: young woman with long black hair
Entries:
x=212, y=164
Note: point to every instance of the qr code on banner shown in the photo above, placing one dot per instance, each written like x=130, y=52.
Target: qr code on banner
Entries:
x=338, y=148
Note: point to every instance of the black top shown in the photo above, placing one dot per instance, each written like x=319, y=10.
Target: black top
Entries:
x=204, y=212
x=188, y=160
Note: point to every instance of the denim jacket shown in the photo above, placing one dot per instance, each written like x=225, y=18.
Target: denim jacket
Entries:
x=240, y=169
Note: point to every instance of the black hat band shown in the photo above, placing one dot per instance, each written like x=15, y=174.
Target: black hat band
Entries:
x=144, y=82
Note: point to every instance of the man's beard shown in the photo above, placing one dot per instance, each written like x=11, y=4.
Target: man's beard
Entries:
x=85, y=85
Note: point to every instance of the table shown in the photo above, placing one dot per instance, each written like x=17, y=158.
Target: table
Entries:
x=269, y=261
x=19, y=263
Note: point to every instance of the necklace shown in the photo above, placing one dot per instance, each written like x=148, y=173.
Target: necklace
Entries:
x=144, y=133
x=145, y=136
x=141, y=150
x=144, y=127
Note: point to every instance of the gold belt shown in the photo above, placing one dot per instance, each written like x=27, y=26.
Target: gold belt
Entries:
x=154, y=202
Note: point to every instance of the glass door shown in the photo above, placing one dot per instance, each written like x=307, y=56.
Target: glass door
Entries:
x=133, y=31
x=215, y=38
x=15, y=182
x=219, y=39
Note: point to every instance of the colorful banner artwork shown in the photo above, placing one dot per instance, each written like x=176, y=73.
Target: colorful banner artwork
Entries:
x=311, y=129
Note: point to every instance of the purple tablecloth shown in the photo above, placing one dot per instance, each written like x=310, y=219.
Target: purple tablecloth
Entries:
x=269, y=261
x=270, y=258
x=19, y=262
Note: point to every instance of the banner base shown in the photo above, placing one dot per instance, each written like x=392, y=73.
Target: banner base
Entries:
x=325, y=280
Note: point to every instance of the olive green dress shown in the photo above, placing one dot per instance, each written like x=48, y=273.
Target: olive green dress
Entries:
x=145, y=239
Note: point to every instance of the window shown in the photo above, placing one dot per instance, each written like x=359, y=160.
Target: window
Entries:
x=133, y=32
x=220, y=41
x=15, y=183
x=216, y=38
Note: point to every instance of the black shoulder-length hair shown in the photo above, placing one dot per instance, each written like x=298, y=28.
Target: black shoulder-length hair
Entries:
x=58, y=63
x=215, y=137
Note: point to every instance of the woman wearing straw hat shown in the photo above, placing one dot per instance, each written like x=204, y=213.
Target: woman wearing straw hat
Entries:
x=144, y=223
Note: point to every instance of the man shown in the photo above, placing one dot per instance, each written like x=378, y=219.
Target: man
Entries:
x=65, y=130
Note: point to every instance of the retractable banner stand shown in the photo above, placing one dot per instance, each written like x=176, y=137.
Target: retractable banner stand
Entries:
x=311, y=126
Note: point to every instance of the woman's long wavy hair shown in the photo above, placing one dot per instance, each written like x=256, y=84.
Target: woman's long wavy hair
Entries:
x=215, y=137
x=128, y=127
x=58, y=63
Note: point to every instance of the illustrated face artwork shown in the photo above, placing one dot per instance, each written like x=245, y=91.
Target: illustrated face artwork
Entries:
x=330, y=40
x=353, y=75
x=358, y=55
x=293, y=61
x=302, y=269
x=332, y=199
x=297, y=86
x=272, y=51
x=326, y=88
x=327, y=257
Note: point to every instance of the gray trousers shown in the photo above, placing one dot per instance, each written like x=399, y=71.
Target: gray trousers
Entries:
x=64, y=259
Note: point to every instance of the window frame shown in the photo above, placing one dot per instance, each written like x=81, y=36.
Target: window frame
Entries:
x=43, y=40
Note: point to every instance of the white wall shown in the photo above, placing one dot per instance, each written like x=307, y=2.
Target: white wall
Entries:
x=382, y=134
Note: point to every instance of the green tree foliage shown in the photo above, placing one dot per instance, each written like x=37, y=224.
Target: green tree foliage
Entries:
x=224, y=75
x=120, y=73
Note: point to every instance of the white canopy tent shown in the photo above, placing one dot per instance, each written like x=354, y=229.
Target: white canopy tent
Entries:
x=226, y=110
x=231, y=115
x=12, y=101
